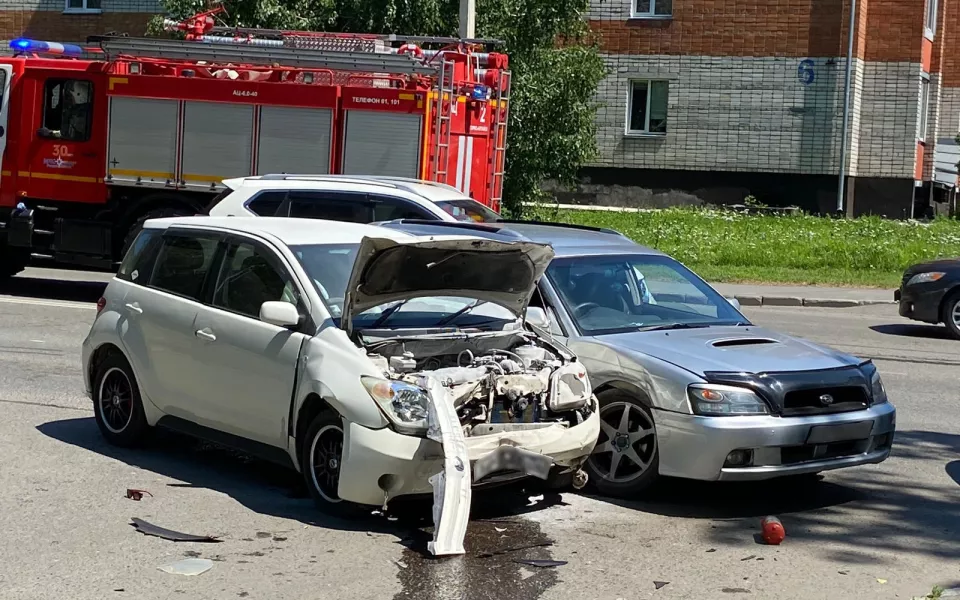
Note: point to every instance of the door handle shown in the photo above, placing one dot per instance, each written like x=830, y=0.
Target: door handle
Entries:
x=206, y=334
x=133, y=306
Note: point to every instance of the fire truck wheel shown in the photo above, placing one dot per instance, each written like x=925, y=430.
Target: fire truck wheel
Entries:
x=12, y=261
x=158, y=213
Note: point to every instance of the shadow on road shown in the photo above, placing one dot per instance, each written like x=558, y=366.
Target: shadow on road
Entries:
x=266, y=489
x=53, y=289
x=933, y=332
x=849, y=513
x=494, y=538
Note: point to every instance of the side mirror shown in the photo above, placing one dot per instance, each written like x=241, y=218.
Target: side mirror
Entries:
x=537, y=317
x=734, y=302
x=281, y=314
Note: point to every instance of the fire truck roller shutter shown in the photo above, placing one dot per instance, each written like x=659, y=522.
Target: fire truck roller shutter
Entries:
x=143, y=140
x=217, y=142
x=294, y=140
x=382, y=143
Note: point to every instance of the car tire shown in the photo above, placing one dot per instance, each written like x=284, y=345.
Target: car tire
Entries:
x=625, y=463
x=951, y=313
x=117, y=404
x=320, y=462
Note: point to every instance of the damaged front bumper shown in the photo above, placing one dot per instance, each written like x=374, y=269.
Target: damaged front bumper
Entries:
x=381, y=464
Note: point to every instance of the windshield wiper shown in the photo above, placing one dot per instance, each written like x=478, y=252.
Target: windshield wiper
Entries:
x=449, y=318
x=672, y=326
x=386, y=314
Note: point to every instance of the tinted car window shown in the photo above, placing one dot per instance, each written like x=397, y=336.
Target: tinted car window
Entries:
x=388, y=209
x=321, y=206
x=140, y=258
x=266, y=204
x=183, y=264
x=248, y=279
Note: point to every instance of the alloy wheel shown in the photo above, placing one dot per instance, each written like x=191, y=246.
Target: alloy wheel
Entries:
x=115, y=400
x=326, y=452
x=627, y=444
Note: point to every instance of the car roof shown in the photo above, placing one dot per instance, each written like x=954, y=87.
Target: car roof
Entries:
x=427, y=190
x=566, y=240
x=289, y=230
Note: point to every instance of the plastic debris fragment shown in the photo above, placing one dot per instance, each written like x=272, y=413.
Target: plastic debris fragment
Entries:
x=188, y=566
x=542, y=563
x=169, y=534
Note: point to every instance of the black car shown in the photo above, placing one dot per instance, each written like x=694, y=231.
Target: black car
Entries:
x=930, y=292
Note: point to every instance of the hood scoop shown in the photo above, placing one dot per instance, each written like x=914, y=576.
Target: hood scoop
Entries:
x=742, y=341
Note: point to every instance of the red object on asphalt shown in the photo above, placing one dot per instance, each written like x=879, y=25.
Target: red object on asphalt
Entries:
x=772, y=531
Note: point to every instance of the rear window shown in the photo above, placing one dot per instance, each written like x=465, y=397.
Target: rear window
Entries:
x=141, y=256
x=467, y=209
x=266, y=204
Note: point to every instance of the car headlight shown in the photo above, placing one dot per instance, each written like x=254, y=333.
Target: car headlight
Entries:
x=876, y=386
x=926, y=277
x=404, y=404
x=725, y=400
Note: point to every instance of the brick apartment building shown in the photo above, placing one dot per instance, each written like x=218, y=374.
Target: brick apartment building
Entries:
x=73, y=20
x=720, y=99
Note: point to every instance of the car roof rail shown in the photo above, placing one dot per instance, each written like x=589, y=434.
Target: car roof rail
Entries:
x=413, y=180
x=479, y=227
x=566, y=225
x=367, y=180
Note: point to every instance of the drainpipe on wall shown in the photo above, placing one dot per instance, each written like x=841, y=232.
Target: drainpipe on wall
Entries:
x=846, y=106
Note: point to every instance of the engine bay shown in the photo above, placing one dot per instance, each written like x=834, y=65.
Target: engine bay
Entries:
x=497, y=382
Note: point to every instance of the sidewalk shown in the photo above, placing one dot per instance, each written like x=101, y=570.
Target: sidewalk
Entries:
x=800, y=295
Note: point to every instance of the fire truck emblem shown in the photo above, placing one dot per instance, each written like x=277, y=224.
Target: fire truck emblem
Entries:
x=60, y=154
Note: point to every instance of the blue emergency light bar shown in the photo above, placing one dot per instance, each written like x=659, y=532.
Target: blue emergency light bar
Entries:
x=28, y=45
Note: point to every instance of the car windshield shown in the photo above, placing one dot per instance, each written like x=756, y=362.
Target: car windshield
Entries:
x=615, y=294
x=329, y=267
x=466, y=209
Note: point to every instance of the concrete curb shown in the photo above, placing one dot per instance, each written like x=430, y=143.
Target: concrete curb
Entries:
x=754, y=300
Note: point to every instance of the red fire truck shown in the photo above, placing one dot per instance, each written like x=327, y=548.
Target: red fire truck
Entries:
x=97, y=139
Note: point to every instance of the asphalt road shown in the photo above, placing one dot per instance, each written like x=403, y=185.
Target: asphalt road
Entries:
x=887, y=531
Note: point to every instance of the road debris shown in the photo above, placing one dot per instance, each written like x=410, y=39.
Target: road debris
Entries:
x=736, y=591
x=771, y=529
x=881, y=581
x=746, y=558
x=134, y=494
x=712, y=550
x=542, y=563
x=188, y=566
x=169, y=534
x=843, y=572
x=660, y=584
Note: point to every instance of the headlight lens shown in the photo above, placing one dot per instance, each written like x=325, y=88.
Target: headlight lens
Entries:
x=724, y=401
x=926, y=277
x=879, y=392
x=404, y=404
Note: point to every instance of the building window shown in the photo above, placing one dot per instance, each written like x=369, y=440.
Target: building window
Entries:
x=68, y=109
x=931, y=23
x=649, y=9
x=79, y=6
x=647, y=107
x=924, y=107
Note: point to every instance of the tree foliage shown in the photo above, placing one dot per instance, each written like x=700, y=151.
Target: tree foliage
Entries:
x=555, y=69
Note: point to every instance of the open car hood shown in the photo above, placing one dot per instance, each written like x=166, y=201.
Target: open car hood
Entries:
x=504, y=273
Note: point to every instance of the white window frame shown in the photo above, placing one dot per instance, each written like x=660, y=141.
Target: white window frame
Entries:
x=923, y=117
x=930, y=18
x=81, y=10
x=652, y=13
x=645, y=132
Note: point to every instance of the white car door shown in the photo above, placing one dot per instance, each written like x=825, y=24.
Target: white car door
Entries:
x=160, y=314
x=250, y=365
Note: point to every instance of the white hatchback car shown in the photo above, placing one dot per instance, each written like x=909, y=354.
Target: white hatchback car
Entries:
x=375, y=362
x=354, y=198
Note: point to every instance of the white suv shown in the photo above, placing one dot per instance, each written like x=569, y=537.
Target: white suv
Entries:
x=377, y=363
x=358, y=199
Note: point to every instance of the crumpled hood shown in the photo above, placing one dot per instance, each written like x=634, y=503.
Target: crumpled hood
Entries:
x=731, y=349
x=504, y=273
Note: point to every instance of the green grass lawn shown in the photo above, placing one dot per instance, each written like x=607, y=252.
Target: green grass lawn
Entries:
x=732, y=247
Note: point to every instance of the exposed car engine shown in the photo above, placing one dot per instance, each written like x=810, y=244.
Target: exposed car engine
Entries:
x=497, y=383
